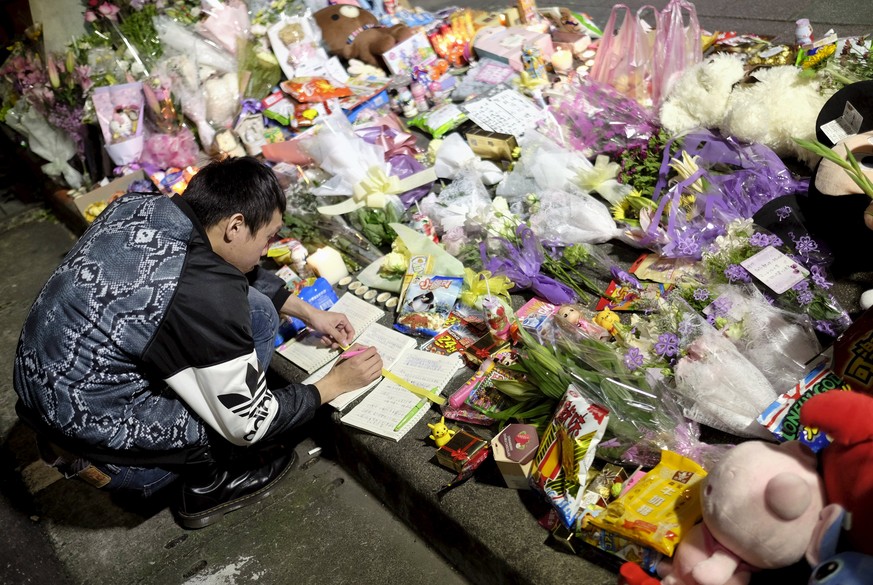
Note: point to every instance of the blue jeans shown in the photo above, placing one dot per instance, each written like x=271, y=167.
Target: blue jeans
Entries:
x=145, y=481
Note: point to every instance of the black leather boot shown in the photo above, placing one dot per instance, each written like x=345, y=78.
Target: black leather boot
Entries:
x=210, y=495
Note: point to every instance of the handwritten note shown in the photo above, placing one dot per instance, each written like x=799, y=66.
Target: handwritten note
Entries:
x=389, y=343
x=775, y=269
x=309, y=354
x=384, y=407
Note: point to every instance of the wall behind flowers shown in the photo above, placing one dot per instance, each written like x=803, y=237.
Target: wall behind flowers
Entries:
x=61, y=21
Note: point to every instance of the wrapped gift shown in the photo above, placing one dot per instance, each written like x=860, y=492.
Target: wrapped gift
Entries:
x=514, y=449
x=506, y=44
x=464, y=450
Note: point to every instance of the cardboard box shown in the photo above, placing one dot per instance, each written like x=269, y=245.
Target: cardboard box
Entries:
x=514, y=449
x=104, y=193
x=505, y=44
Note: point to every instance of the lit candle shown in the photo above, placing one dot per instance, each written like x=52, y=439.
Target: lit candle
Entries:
x=328, y=264
x=562, y=60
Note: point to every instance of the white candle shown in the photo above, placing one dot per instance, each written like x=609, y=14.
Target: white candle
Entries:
x=328, y=264
x=562, y=60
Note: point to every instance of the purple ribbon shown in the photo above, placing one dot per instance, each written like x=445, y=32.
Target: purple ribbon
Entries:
x=522, y=266
x=402, y=166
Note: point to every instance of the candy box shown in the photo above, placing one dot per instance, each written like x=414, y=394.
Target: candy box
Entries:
x=506, y=44
x=463, y=450
x=514, y=449
x=533, y=316
x=853, y=354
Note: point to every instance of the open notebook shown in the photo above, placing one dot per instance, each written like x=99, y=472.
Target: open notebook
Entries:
x=391, y=345
x=307, y=352
x=388, y=403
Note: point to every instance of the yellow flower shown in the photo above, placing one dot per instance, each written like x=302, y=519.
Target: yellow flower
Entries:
x=687, y=167
x=479, y=284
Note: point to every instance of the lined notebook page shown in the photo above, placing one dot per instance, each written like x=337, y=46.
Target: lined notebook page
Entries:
x=387, y=404
x=308, y=353
x=390, y=344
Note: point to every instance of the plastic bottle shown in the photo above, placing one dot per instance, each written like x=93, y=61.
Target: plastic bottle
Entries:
x=419, y=96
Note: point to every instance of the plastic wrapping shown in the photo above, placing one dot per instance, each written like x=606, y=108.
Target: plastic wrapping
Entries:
x=226, y=23
x=720, y=388
x=455, y=156
x=779, y=343
x=45, y=141
x=593, y=118
x=572, y=217
x=119, y=109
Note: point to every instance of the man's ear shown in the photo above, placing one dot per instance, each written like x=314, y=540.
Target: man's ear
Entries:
x=235, y=227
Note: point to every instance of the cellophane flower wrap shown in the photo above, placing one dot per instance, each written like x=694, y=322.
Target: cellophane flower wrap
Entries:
x=564, y=214
x=778, y=342
x=717, y=180
x=119, y=109
x=721, y=264
x=593, y=118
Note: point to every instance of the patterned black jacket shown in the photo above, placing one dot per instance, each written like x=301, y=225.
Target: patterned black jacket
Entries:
x=142, y=337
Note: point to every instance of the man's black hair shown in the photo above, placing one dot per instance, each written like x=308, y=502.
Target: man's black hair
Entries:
x=235, y=185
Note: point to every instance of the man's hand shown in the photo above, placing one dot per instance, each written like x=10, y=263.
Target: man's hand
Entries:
x=350, y=373
x=335, y=328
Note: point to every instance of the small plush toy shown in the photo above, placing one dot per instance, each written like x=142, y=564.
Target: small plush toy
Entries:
x=440, y=433
x=761, y=506
x=353, y=33
x=833, y=567
x=847, y=463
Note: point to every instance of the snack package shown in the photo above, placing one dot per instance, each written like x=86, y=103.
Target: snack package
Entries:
x=782, y=418
x=567, y=447
x=660, y=508
x=440, y=120
x=427, y=304
x=453, y=339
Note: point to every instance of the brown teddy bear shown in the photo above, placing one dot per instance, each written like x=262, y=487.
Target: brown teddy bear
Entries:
x=353, y=33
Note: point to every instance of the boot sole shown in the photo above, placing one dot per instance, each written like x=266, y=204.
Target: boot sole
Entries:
x=213, y=515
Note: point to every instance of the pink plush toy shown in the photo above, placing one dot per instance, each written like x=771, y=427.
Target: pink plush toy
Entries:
x=761, y=507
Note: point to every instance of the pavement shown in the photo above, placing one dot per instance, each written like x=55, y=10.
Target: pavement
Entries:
x=359, y=509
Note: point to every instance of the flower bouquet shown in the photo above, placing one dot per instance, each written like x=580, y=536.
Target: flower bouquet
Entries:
x=722, y=264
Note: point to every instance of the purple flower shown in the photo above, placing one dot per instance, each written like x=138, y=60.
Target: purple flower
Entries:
x=667, y=345
x=825, y=327
x=522, y=264
x=775, y=241
x=686, y=327
x=720, y=307
x=818, y=278
x=625, y=278
x=759, y=240
x=701, y=294
x=801, y=286
x=687, y=245
x=736, y=273
x=805, y=245
x=805, y=298
x=633, y=359
x=783, y=212
x=251, y=106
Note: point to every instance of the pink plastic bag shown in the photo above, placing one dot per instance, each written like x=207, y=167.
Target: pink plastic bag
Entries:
x=626, y=56
x=644, y=55
x=677, y=45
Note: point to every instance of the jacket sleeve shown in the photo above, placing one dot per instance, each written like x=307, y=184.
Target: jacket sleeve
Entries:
x=204, y=351
x=269, y=284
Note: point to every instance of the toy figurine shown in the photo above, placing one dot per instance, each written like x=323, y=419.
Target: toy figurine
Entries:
x=440, y=433
x=609, y=320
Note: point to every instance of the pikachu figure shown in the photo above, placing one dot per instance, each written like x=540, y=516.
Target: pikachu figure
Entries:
x=440, y=433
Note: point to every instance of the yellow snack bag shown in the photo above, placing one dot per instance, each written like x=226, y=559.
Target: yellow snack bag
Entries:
x=660, y=508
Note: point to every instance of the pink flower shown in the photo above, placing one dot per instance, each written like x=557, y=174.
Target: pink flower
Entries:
x=83, y=77
x=90, y=16
x=108, y=10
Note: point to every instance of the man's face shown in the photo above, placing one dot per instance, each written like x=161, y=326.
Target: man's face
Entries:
x=245, y=251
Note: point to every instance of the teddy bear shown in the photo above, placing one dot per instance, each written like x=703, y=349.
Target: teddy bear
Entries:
x=353, y=33
x=761, y=505
x=847, y=463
